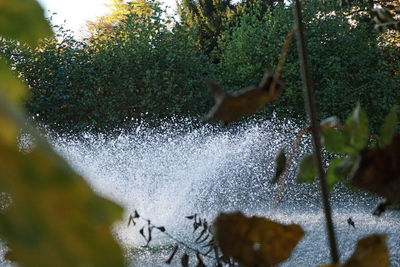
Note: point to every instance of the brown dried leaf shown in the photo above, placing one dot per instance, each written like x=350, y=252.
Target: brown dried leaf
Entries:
x=379, y=171
x=256, y=241
x=232, y=107
x=10, y=256
x=371, y=251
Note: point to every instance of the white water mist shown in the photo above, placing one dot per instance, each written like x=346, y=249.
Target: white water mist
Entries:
x=175, y=170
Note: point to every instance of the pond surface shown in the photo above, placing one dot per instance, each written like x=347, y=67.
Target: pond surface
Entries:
x=177, y=169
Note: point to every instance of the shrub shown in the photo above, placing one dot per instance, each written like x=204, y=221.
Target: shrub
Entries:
x=348, y=64
x=140, y=67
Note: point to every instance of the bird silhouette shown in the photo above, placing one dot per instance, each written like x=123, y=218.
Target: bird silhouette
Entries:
x=351, y=222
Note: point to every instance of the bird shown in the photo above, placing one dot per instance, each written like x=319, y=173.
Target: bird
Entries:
x=351, y=222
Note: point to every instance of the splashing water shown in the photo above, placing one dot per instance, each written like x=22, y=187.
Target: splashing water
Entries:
x=172, y=171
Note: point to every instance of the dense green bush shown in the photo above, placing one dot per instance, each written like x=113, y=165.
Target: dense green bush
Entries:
x=140, y=68
x=348, y=65
x=145, y=66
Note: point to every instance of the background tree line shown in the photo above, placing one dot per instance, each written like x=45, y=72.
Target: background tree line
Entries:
x=139, y=63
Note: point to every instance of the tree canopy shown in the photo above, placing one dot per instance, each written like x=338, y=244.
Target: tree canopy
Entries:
x=142, y=58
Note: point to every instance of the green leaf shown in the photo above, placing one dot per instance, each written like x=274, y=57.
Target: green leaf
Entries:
x=331, y=177
x=280, y=165
x=23, y=20
x=357, y=128
x=388, y=127
x=337, y=141
x=338, y=170
x=307, y=171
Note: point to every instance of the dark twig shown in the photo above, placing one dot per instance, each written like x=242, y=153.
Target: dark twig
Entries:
x=311, y=110
x=293, y=153
x=162, y=230
x=282, y=56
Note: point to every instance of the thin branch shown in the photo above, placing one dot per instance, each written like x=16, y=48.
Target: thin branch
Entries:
x=177, y=240
x=294, y=149
x=282, y=56
x=311, y=110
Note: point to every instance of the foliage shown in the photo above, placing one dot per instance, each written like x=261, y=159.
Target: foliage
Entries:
x=27, y=12
x=54, y=218
x=370, y=251
x=371, y=167
x=208, y=19
x=141, y=68
x=280, y=165
x=205, y=248
x=378, y=171
x=348, y=65
x=231, y=107
x=362, y=165
x=129, y=69
x=237, y=240
x=256, y=241
x=119, y=9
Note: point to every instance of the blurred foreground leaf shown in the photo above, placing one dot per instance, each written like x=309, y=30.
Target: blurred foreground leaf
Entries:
x=306, y=171
x=379, y=171
x=55, y=218
x=371, y=251
x=8, y=79
x=339, y=170
x=357, y=128
x=349, y=138
x=256, y=241
x=246, y=102
x=332, y=174
x=334, y=137
x=280, y=165
x=23, y=20
x=336, y=141
x=388, y=127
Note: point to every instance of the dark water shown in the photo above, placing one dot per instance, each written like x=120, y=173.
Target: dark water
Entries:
x=174, y=170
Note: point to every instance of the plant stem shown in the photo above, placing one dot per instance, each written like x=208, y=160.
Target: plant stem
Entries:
x=311, y=110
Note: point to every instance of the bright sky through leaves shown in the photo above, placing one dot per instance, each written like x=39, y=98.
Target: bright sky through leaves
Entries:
x=75, y=12
x=78, y=12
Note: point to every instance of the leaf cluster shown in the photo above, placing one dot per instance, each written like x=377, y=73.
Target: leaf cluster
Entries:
x=362, y=159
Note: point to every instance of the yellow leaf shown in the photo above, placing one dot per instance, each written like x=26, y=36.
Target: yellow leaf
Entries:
x=55, y=218
x=10, y=85
x=23, y=20
x=256, y=241
x=371, y=251
x=8, y=132
x=232, y=107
